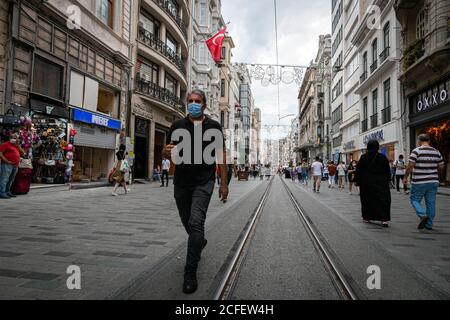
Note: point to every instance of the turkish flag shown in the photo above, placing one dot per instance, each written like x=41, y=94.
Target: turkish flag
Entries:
x=215, y=45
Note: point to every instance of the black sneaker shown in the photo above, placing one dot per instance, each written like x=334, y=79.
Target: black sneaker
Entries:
x=428, y=228
x=190, y=282
x=423, y=222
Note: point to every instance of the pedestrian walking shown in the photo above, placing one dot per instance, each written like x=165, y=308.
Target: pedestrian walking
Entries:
x=194, y=182
x=165, y=171
x=316, y=171
x=392, y=180
x=424, y=163
x=400, y=170
x=298, y=168
x=293, y=173
x=341, y=170
x=331, y=174
x=10, y=153
x=305, y=172
x=120, y=169
x=373, y=175
x=351, y=176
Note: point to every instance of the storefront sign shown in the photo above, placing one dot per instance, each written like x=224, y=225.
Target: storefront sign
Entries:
x=435, y=99
x=49, y=109
x=349, y=145
x=377, y=135
x=92, y=118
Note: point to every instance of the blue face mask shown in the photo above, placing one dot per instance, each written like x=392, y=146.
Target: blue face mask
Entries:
x=195, y=110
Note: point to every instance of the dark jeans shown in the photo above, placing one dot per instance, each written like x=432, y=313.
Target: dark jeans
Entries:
x=192, y=203
x=165, y=173
x=7, y=176
x=398, y=178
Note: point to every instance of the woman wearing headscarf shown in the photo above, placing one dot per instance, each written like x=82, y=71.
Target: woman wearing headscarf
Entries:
x=373, y=174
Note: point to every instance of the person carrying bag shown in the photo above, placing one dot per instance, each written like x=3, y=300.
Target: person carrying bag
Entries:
x=118, y=175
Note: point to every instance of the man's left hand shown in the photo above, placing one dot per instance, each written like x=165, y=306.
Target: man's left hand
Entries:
x=223, y=193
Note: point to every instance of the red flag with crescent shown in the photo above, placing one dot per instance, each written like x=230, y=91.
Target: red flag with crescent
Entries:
x=215, y=45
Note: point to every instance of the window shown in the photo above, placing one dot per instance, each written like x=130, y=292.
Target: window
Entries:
x=337, y=17
x=337, y=90
x=222, y=118
x=337, y=115
x=374, y=64
x=375, y=101
x=202, y=53
x=319, y=110
x=364, y=73
x=224, y=53
x=421, y=24
x=148, y=71
x=149, y=24
x=89, y=94
x=203, y=14
x=386, y=35
x=173, y=7
x=47, y=78
x=171, y=43
x=171, y=84
x=387, y=93
x=337, y=41
x=105, y=11
x=222, y=88
x=365, y=113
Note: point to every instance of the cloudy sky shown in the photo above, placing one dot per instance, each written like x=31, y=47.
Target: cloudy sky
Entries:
x=252, y=27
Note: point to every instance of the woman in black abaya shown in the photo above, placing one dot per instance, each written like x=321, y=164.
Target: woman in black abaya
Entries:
x=373, y=175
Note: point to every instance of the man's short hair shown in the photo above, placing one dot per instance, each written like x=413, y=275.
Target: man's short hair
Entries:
x=424, y=137
x=201, y=93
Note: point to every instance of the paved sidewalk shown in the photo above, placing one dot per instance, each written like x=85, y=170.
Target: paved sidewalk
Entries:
x=112, y=239
x=425, y=252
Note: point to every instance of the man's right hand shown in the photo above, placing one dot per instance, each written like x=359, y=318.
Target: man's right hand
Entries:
x=167, y=151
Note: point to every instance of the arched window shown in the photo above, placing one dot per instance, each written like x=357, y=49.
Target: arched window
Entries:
x=421, y=24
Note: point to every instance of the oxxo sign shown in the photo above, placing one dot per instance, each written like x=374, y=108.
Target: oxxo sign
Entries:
x=435, y=99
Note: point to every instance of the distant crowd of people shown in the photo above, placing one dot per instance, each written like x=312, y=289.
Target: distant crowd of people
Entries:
x=374, y=175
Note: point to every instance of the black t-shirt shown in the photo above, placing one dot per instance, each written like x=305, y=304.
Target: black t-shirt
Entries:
x=195, y=174
x=120, y=155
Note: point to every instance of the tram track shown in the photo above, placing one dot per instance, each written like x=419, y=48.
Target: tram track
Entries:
x=235, y=264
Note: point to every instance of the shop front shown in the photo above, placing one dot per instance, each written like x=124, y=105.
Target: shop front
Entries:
x=50, y=135
x=430, y=113
x=388, y=140
x=95, y=144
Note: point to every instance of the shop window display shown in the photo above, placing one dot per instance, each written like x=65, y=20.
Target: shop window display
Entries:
x=439, y=133
x=49, y=161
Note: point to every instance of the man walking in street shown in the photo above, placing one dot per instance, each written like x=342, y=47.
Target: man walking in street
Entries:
x=194, y=179
x=165, y=171
x=400, y=169
x=424, y=162
x=316, y=170
x=341, y=174
x=331, y=174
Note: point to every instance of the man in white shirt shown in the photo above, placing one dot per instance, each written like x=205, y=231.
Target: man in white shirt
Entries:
x=165, y=171
x=400, y=170
x=316, y=169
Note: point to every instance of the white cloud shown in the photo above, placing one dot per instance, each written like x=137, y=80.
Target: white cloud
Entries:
x=300, y=22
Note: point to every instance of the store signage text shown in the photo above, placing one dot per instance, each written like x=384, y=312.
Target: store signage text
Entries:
x=433, y=100
x=377, y=135
x=91, y=118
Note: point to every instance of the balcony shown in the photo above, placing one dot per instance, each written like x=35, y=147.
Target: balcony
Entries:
x=374, y=66
x=374, y=121
x=363, y=77
x=386, y=114
x=168, y=8
x=364, y=126
x=320, y=95
x=384, y=55
x=163, y=95
x=413, y=53
x=156, y=44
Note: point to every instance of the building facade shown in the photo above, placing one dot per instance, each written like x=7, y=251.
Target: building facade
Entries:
x=68, y=67
x=160, y=83
x=425, y=74
x=378, y=87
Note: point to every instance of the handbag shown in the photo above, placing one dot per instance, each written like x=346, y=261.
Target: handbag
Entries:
x=25, y=164
x=124, y=166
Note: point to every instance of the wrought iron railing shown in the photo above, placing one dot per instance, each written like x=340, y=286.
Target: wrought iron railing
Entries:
x=153, y=42
x=386, y=114
x=363, y=77
x=374, y=120
x=364, y=124
x=168, y=8
x=156, y=92
x=384, y=54
x=374, y=66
